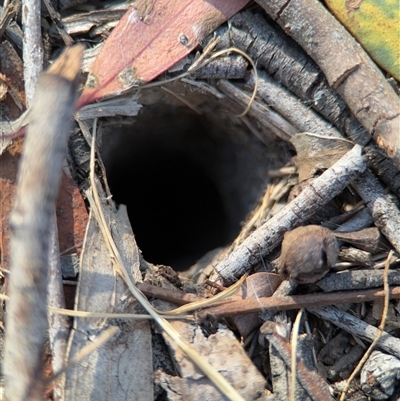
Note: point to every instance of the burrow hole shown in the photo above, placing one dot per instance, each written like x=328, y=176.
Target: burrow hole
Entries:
x=188, y=182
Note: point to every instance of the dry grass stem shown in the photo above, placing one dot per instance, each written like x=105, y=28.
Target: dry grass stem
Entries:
x=293, y=370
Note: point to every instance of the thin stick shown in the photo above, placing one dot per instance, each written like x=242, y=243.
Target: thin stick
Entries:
x=32, y=46
x=250, y=305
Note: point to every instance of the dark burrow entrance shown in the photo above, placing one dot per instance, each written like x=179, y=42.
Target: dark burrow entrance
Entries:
x=187, y=184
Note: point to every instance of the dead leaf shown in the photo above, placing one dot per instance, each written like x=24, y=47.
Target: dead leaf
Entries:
x=317, y=153
x=150, y=38
x=224, y=352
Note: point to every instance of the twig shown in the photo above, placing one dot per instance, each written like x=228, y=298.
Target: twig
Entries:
x=279, y=55
x=38, y=183
x=293, y=302
x=268, y=236
x=32, y=46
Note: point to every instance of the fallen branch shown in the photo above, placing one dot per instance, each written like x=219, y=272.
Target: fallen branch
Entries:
x=38, y=183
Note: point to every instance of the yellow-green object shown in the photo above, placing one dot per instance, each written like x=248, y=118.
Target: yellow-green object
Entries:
x=376, y=25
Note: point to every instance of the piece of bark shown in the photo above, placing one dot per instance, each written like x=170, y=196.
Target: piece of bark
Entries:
x=163, y=30
x=122, y=369
x=7, y=15
x=13, y=34
x=334, y=349
x=38, y=184
x=72, y=217
x=257, y=285
x=224, y=67
x=348, y=69
x=171, y=295
x=79, y=23
x=32, y=46
x=121, y=106
x=89, y=56
x=380, y=375
x=267, y=237
x=287, y=287
x=64, y=4
x=68, y=41
x=357, y=327
x=224, y=352
x=12, y=67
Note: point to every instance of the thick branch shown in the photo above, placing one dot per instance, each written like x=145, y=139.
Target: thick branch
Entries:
x=38, y=183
